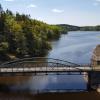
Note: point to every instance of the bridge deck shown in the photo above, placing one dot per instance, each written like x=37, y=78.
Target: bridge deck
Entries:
x=47, y=69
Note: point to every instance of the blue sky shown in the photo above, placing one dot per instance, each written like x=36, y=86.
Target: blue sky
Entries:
x=75, y=12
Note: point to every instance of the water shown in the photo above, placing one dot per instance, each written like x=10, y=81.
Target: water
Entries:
x=76, y=47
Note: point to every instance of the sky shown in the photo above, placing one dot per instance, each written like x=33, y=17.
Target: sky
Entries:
x=73, y=12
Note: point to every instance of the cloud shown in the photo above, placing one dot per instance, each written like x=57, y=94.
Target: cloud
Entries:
x=57, y=11
x=9, y=0
x=32, y=6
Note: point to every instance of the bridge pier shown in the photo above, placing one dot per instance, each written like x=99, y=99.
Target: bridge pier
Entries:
x=93, y=81
x=89, y=86
x=94, y=76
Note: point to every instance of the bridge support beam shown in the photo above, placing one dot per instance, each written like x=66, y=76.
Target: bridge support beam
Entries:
x=89, y=88
x=93, y=80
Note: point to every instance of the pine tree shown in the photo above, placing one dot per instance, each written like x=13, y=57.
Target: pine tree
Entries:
x=1, y=9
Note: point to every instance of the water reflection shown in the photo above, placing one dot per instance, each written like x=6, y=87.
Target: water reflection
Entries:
x=50, y=82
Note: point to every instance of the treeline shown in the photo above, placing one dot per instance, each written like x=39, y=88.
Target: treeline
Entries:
x=66, y=27
x=20, y=35
x=90, y=28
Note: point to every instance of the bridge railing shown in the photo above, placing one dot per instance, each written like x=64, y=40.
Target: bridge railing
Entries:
x=41, y=59
x=42, y=62
x=38, y=66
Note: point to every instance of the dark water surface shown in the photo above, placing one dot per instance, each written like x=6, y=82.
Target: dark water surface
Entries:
x=76, y=47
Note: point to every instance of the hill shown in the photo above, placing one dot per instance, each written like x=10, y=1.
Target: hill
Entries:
x=67, y=27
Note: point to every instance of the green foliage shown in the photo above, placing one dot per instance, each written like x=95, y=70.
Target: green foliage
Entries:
x=3, y=47
x=20, y=35
x=65, y=28
x=90, y=28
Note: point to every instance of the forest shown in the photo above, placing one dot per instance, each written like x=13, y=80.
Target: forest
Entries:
x=20, y=35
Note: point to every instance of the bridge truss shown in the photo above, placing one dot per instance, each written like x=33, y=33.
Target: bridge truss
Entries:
x=39, y=65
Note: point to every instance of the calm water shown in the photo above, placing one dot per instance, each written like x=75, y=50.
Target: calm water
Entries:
x=76, y=47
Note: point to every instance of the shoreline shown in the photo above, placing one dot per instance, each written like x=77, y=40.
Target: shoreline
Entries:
x=92, y=95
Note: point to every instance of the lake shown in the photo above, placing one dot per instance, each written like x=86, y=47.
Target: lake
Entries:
x=76, y=47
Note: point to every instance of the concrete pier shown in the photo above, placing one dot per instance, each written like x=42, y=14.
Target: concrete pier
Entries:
x=94, y=77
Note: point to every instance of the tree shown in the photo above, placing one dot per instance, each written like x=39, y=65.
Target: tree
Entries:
x=9, y=12
x=3, y=47
x=2, y=18
x=21, y=35
x=1, y=9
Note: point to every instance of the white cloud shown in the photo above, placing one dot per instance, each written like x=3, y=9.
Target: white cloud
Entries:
x=9, y=0
x=57, y=11
x=32, y=6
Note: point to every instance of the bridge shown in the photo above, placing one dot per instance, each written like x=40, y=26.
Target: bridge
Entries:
x=43, y=65
x=38, y=65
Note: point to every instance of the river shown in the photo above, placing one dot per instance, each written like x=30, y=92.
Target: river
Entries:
x=76, y=47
